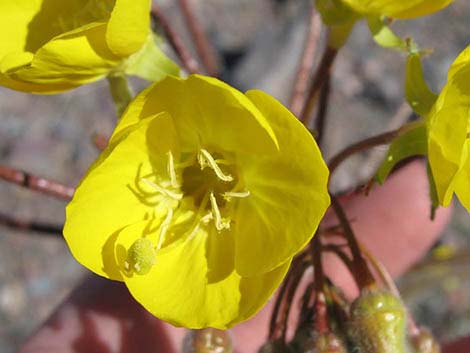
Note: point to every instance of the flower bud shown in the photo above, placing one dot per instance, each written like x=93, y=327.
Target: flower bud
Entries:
x=308, y=341
x=276, y=346
x=208, y=340
x=377, y=323
x=425, y=342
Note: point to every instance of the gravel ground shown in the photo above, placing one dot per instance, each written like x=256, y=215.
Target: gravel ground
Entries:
x=260, y=42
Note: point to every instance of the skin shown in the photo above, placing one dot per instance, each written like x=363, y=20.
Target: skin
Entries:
x=100, y=315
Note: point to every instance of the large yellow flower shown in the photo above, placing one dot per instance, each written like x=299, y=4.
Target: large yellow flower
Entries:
x=49, y=46
x=449, y=134
x=200, y=201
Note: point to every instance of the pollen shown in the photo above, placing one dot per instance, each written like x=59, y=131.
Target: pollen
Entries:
x=141, y=257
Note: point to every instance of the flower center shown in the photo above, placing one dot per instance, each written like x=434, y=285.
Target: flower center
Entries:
x=207, y=184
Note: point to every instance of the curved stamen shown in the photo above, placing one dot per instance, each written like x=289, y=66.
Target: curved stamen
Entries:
x=172, y=170
x=220, y=223
x=163, y=191
x=164, y=227
x=235, y=194
x=206, y=159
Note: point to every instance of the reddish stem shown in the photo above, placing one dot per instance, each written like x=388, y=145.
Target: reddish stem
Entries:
x=306, y=63
x=36, y=183
x=184, y=55
x=363, y=275
x=46, y=228
x=205, y=51
x=321, y=75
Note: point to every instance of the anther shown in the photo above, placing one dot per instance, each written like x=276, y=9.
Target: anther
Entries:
x=172, y=170
x=205, y=159
x=220, y=223
x=235, y=194
x=163, y=191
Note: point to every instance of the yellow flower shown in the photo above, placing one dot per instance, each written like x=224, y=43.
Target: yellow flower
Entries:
x=397, y=8
x=449, y=134
x=49, y=46
x=200, y=201
x=341, y=15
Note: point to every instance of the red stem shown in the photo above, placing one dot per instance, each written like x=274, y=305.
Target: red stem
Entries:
x=205, y=51
x=306, y=63
x=184, y=55
x=36, y=183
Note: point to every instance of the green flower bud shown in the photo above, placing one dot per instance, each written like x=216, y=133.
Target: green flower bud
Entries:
x=377, y=323
x=208, y=340
x=425, y=342
x=307, y=341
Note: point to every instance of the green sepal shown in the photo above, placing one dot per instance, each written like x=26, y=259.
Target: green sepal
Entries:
x=384, y=36
x=412, y=142
x=417, y=92
x=432, y=192
x=150, y=63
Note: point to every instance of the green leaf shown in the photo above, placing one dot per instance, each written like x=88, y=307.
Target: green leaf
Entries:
x=384, y=36
x=412, y=142
x=150, y=63
x=417, y=92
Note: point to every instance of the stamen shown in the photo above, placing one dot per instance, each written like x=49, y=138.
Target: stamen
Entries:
x=240, y=194
x=205, y=159
x=164, y=227
x=220, y=223
x=194, y=231
x=172, y=170
x=163, y=191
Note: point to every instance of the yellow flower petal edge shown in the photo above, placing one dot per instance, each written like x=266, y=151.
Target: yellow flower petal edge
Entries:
x=398, y=8
x=58, y=45
x=449, y=135
x=200, y=201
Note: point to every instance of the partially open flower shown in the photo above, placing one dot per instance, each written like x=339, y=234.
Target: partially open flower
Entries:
x=341, y=15
x=448, y=125
x=397, y=8
x=50, y=46
x=200, y=201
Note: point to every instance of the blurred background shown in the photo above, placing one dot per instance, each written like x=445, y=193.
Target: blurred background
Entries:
x=259, y=44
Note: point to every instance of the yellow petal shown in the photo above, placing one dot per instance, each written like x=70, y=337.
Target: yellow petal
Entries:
x=74, y=58
x=37, y=22
x=111, y=195
x=448, y=129
x=462, y=180
x=180, y=289
x=203, y=120
x=423, y=8
x=288, y=193
x=461, y=62
x=398, y=8
x=128, y=27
